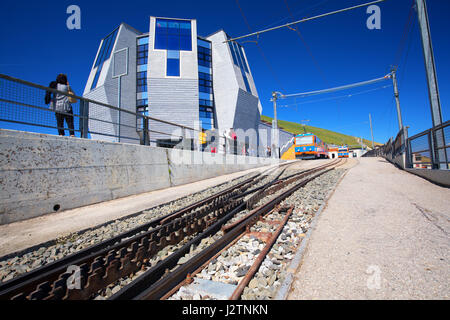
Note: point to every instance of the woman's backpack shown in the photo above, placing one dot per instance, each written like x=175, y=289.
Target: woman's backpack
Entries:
x=48, y=94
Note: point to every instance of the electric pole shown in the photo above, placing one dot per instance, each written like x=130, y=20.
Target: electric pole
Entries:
x=397, y=100
x=275, y=127
x=433, y=90
x=304, y=125
x=371, y=130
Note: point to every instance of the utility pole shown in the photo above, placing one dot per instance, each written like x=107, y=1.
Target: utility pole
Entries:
x=397, y=100
x=304, y=124
x=433, y=90
x=371, y=130
x=275, y=127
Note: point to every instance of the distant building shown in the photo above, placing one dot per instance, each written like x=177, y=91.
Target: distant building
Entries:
x=175, y=75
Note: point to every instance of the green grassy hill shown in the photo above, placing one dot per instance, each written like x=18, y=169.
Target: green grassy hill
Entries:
x=329, y=137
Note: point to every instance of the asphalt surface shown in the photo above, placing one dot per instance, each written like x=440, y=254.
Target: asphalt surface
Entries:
x=383, y=235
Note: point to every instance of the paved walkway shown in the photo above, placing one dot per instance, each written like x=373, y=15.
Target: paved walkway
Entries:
x=383, y=235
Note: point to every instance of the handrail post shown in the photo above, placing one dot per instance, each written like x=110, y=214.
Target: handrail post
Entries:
x=146, y=132
x=432, y=154
x=84, y=118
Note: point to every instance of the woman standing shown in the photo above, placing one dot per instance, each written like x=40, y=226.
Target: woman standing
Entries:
x=62, y=107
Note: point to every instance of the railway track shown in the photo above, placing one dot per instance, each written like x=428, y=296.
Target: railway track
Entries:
x=133, y=251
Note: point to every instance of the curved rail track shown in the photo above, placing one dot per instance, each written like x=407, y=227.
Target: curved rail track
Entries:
x=107, y=262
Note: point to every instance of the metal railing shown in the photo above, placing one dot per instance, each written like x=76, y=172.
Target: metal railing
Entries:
x=421, y=151
x=286, y=146
x=22, y=107
x=425, y=153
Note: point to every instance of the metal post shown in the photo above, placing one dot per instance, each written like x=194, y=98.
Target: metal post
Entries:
x=371, y=130
x=118, y=101
x=145, y=132
x=84, y=118
x=430, y=66
x=397, y=100
x=81, y=118
x=431, y=140
x=275, y=127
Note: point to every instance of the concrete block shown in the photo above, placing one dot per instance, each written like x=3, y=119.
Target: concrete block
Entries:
x=41, y=174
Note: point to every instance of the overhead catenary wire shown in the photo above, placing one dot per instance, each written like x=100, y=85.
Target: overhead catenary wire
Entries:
x=296, y=12
x=406, y=30
x=308, y=49
x=267, y=62
x=257, y=33
x=348, y=86
x=335, y=98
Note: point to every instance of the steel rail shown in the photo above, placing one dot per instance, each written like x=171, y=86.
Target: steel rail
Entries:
x=262, y=255
x=155, y=282
x=50, y=272
x=92, y=258
x=109, y=263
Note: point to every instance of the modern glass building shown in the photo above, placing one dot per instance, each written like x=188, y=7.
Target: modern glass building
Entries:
x=174, y=74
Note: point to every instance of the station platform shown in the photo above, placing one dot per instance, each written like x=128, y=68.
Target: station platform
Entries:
x=384, y=234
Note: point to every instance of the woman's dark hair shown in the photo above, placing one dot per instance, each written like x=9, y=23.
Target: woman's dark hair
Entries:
x=61, y=78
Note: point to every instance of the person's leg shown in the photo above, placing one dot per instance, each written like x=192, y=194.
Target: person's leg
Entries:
x=60, y=123
x=69, y=120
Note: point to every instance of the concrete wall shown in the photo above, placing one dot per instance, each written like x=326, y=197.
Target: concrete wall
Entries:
x=41, y=174
x=440, y=177
x=265, y=130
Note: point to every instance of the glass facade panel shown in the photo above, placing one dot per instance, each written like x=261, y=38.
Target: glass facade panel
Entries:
x=203, y=43
x=141, y=79
x=244, y=61
x=206, y=103
x=173, y=54
x=205, y=84
x=142, y=53
x=206, y=117
x=142, y=41
x=239, y=60
x=173, y=35
x=173, y=67
x=233, y=54
x=104, y=54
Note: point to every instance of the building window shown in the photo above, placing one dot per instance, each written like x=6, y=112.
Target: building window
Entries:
x=142, y=102
x=104, y=54
x=173, y=35
x=173, y=63
x=205, y=103
x=242, y=57
x=204, y=57
x=141, y=79
x=142, y=54
x=240, y=61
x=205, y=82
x=206, y=118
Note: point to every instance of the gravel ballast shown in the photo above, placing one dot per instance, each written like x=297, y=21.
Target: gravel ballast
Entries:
x=232, y=265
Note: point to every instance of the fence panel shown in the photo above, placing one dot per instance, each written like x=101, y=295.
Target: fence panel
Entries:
x=22, y=107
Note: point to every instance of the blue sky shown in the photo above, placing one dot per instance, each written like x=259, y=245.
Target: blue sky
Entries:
x=37, y=45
